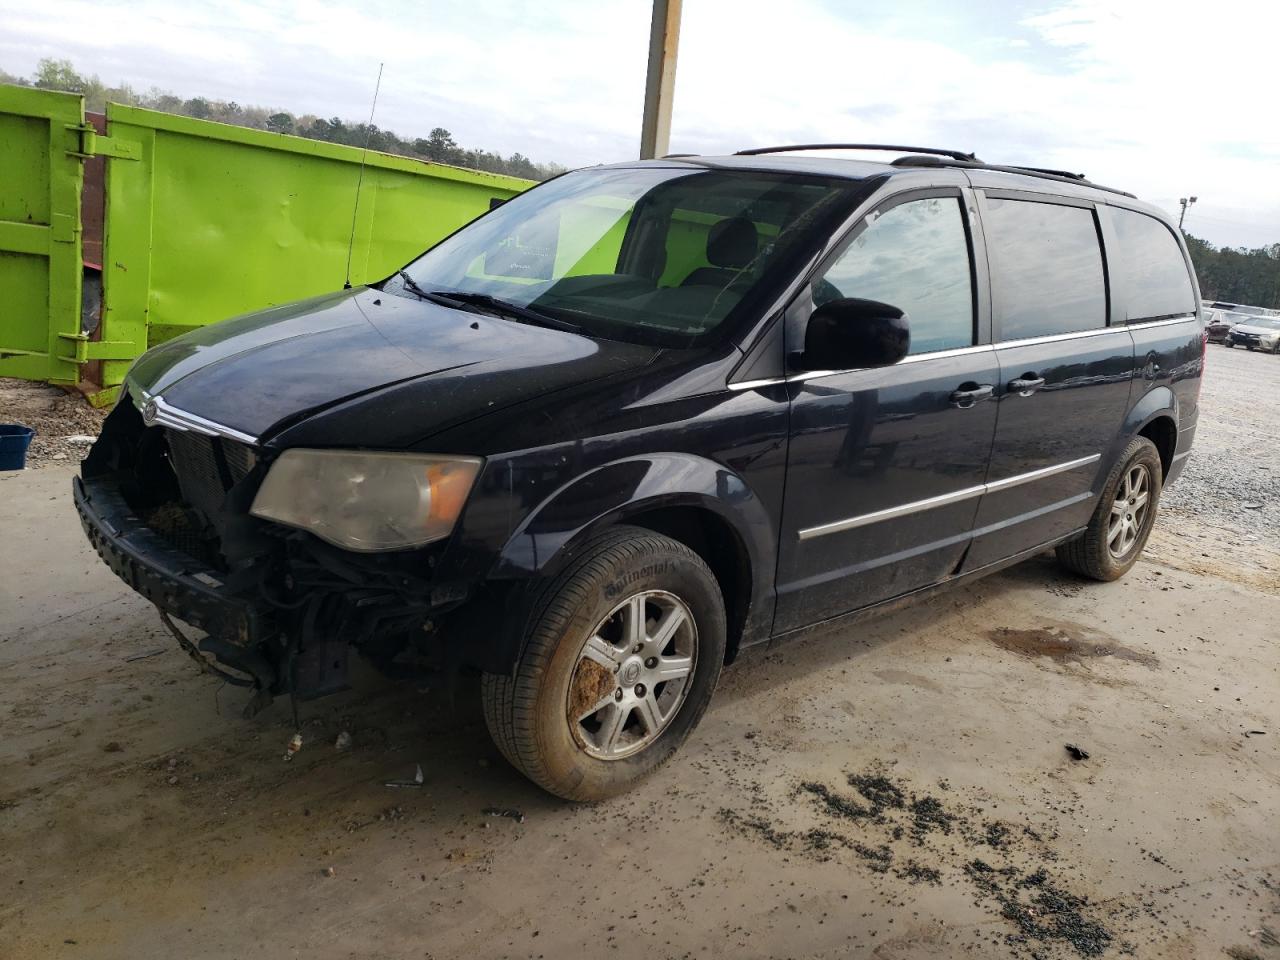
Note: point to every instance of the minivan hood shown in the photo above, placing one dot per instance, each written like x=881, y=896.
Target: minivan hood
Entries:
x=262, y=372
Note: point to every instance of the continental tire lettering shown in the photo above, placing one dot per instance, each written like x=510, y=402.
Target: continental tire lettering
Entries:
x=619, y=586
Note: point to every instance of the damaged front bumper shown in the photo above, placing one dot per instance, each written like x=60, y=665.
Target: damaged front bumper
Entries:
x=174, y=581
x=182, y=587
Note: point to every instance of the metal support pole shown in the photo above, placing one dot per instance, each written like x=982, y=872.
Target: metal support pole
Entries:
x=660, y=85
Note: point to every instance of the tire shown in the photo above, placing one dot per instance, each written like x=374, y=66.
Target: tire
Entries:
x=533, y=715
x=1091, y=554
x=1228, y=344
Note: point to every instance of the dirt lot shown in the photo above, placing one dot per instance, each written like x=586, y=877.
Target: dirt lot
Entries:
x=898, y=790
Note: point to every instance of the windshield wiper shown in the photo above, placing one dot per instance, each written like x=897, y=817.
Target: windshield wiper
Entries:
x=463, y=299
x=498, y=305
x=438, y=298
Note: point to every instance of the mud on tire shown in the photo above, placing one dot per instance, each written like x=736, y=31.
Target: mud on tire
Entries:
x=529, y=712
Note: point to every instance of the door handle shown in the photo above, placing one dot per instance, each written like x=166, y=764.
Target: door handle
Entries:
x=968, y=394
x=1026, y=385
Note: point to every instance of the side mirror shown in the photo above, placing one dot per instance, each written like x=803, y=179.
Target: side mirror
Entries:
x=848, y=333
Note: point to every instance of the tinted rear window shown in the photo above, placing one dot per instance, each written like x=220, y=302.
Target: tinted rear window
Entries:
x=1149, y=264
x=1046, y=268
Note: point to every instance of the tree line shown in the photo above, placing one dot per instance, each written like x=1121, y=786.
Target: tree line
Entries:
x=438, y=146
x=1237, y=275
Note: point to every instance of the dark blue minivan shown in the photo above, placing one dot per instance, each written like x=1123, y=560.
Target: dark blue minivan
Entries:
x=645, y=415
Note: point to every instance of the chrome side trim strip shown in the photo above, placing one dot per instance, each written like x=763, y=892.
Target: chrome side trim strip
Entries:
x=931, y=503
x=942, y=354
x=946, y=499
x=1021, y=478
x=1168, y=322
x=156, y=412
x=1058, y=337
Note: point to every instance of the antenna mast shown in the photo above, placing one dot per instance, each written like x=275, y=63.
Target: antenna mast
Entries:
x=368, y=135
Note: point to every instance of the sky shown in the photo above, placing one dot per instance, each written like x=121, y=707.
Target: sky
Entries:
x=1162, y=98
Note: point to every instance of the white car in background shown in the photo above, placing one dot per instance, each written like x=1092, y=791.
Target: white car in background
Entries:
x=1256, y=333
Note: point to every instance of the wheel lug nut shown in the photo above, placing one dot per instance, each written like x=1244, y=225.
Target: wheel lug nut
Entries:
x=637, y=648
x=651, y=663
x=639, y=689
x=617, y=694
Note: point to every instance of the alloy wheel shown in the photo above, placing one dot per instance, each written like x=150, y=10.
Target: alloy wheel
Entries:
x=1129, y=510
x=633, y=673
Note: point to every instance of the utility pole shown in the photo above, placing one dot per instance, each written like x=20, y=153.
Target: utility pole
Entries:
x=1186, y=202
x=660, y=85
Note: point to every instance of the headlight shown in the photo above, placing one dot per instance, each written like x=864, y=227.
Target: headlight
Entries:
x=367, y=501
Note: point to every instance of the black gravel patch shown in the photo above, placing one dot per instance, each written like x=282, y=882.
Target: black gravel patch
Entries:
x=762, y=828
x=929, y=814
x=1042, y=911
x=879, y=859
x=879, y=791
x=917, y=873
x=836, y=805
x=821, y=841
x=996, y=835
x=884, y=820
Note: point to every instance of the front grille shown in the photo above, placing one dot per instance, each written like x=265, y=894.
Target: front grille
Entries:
x=207, y=467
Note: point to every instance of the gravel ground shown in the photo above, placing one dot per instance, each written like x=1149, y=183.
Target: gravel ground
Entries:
x=1222, y=516
x=1232, y=478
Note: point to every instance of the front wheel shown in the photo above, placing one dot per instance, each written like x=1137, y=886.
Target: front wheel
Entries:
x=1228, y=344
x=622, y=655
x=1122, y=521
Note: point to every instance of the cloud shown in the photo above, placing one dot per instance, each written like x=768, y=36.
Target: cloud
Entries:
x=1156, y=98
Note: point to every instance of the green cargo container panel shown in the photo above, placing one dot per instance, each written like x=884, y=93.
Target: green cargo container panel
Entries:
x=211, y=221
x=40, y=176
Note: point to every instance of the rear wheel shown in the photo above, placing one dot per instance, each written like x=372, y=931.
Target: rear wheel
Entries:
x=1122, y=521
x=622, y=656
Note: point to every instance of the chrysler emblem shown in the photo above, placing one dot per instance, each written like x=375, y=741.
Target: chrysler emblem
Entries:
x=149, y=411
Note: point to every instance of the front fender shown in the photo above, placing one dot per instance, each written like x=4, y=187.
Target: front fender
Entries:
x=554, y=531
x=611, y=493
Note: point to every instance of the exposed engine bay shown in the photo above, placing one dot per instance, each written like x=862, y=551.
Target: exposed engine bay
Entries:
x=168, y=510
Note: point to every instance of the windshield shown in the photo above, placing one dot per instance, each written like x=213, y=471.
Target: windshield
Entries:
x=661, y=255
x=1264, y=323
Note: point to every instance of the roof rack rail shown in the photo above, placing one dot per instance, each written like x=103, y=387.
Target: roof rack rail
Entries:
x=1041, y=173
x=1053, y=173
x=953, y=154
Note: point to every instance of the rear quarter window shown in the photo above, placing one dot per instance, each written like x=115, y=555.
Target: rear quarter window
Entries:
x=1046, y=269
x=1149, y=267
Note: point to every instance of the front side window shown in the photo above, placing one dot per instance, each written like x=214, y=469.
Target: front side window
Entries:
x=1149, y=262
x=914, y=256
x=661, y=255
x=1046, y=269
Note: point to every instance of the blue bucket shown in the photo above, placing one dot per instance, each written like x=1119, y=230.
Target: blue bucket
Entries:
x=14, y=440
